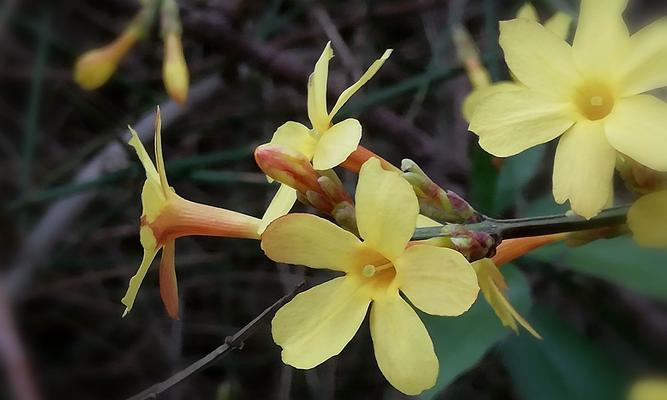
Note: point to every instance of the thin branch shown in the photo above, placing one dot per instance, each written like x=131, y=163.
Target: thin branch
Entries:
x=231, y=343
x=537, y=226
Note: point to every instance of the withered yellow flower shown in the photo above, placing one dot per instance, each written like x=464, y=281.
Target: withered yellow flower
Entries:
x=326, y=144
x=167, y=216
x=590, y=93
x=647, y=220
x=318, y=324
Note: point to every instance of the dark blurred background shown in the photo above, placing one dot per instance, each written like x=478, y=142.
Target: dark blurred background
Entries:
x=71, y=203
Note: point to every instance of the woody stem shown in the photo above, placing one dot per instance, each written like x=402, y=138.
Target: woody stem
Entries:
x=536, y=226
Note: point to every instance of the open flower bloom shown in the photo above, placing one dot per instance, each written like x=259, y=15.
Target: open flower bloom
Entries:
x=317, y=324
x=167, y=216
x=647, y=220
x=326, y=144
x=590, y=93
x=559, y=24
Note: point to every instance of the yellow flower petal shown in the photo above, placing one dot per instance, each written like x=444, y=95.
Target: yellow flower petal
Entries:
x=159, y=160
x=403, y=348
x=559, y=24
x=527, y=11
x=584, y=168
x=538, y=58
x=349, y=92
x=281, y=204
x=508, y=123
x=437, y=280
x=478, y=95
x=387, y=209
x=149, y=244
x=295, y=136
x=637, y=127
x=317, y=91
x=649, y=389
x=492, y=283
x=306, y=239
x=425, y=222
x=601, y=39
x=645, y=66
x=336, y=144
x=318, y=323
x=647, y=220
x=153, y=196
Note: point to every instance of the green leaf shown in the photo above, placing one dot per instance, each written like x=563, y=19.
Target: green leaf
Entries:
x=618, y=260
x=460, y=342
x=564, y=365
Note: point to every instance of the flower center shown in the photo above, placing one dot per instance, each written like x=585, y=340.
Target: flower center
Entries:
x=369, y=270
x=594, y=100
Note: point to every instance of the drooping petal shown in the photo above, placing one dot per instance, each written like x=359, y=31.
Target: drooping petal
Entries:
x=584, y=168
x=295, y=136
x=645, y=66
x=317, y=91
x=437, y=280
x=349, y=92
x=601, y=40
x=318, y=323
x=387, y=209
x=508, y=123
x=305, y=239
x=647, y=220
x=281, y=204
x=168, y=282
x=478, y=95
x=527, y=11
x=403, y=348
x=336, y=144
x=150, y=246
x=637, y=127
x=492, y=283
x=538, y=58
x=559, y=24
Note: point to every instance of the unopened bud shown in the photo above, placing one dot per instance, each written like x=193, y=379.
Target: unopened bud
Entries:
x=94, y=67
x=468, y=55
x=474, y=245
x=434, y=202
x=287, y=166
x=174, y=69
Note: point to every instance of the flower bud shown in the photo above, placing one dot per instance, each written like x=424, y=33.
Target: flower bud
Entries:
x=434, y=202
x=95, y=67
x=468, y=55
x=174, y=69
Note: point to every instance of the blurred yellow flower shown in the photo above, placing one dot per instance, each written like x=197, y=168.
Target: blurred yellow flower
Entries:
x=559, y=24
x=94, y=67
x=590, y=93
x=167, y=216
x=647, y=220
x=318, y=324
x=649, y=389
x=326, y=144
x=174, y=69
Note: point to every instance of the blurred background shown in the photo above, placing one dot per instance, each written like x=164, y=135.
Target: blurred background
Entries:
x=70, y=192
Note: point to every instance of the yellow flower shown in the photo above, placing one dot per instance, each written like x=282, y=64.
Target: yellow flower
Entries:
x=326, y=144
x=559, y=24
x=318, y=324
x=95, y=67
x=647, y=220
x=649, y=389
x=590, y=93
x=174, y=69
x=167, y=216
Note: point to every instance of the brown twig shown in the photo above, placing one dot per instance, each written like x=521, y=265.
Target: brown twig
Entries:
x=231, y=343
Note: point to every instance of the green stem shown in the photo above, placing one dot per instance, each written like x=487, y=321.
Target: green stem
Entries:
x=536, y=226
